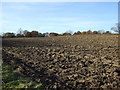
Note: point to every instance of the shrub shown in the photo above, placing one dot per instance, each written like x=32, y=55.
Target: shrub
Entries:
x=107, y=32
x=77, y=33
x=28, y=34
x=95, y=32
x=84, y=32
x=41, y=35
x=53, y=34
x=19, y=35
x=64, y=34
x=34, y=33
x=89, y=32
x=8, y=34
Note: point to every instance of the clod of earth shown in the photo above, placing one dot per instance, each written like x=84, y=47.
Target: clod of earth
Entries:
x=71, y=62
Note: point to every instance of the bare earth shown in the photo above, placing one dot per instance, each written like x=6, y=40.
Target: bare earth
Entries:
x=69, y=62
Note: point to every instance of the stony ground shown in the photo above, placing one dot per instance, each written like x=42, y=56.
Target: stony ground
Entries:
x=69, y=62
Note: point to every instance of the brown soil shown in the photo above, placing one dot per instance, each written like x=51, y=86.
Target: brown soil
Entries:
x=69, y=62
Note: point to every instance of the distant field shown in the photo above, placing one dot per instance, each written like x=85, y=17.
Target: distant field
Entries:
x=69, y=62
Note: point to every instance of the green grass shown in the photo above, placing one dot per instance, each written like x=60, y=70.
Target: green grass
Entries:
x=14, y=79
x=0, y=73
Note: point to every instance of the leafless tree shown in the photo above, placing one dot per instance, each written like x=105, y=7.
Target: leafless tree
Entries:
x=101, y=31
x=20, y=31
x=116, y=28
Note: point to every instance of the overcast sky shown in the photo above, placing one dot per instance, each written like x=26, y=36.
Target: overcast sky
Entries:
x=58, y=17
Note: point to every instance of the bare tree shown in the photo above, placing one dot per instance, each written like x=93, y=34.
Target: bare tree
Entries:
x=69, y=31
x=20, y=31
x=116, y=28
x=101, y=31
x=25, y=32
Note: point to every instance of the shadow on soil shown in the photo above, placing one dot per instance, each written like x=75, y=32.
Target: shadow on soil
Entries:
x=28, y=70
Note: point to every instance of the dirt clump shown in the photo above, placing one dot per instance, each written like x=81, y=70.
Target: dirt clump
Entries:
x=69, y=62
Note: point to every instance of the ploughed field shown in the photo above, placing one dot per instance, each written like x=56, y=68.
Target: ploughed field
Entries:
x=80, y=61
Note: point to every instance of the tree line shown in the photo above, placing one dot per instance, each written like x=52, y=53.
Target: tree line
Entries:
x=35, y=33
